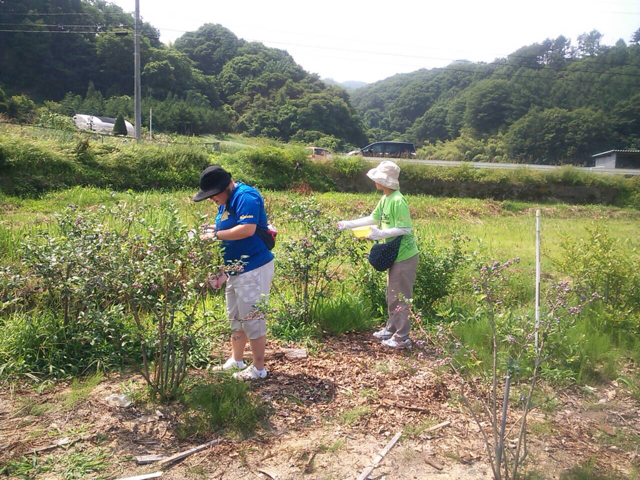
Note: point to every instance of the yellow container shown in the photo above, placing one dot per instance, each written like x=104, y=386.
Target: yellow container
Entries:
x=361, y=232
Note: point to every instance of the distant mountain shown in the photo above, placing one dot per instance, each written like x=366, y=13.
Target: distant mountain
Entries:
x=349, y=85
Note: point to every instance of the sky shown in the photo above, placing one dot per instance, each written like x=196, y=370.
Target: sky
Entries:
x=373, y=40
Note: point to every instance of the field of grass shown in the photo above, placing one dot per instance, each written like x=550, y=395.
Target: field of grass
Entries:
x=490, y=231
x=597, y=346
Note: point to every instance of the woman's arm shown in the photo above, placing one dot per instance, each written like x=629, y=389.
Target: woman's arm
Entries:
x=238, y=232
x=377, y=234
x=360, y=222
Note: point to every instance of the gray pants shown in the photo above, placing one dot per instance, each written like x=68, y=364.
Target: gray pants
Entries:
x=400, y=279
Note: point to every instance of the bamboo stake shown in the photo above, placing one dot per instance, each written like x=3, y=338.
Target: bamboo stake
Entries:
x=380, y=456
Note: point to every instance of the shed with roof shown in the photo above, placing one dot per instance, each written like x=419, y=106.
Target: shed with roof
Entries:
x=617, y=159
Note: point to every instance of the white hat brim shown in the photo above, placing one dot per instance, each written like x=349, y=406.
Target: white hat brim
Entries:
x=383, y=179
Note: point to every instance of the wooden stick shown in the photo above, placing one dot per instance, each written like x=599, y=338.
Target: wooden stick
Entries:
x=146, y=459
x=380, y=456
x=438, y=426
x=62, y=442
x=186, y=453
x=144, y=477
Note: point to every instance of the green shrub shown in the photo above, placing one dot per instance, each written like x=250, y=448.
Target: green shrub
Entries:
x=40, y=343
x=349, y=167
x=308, y=266
x=119, y=127
x=21, y=108
x=89, y=280
x=436, y=270
x=607, y=269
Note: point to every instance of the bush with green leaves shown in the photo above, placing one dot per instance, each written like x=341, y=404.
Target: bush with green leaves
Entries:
x=108, y=284
x=345, y=311
x=21, y=108
x=308, y=267
x=119, y=127
x=436, y=270
x=163, y=285
x=606, y=271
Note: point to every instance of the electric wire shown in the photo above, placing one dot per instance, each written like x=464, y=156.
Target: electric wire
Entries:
x=288, y=43
x=100, y=29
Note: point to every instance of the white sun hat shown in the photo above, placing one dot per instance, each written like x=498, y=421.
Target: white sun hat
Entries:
x=386, y=174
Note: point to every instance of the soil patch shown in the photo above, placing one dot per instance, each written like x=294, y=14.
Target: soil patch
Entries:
x=330, y=415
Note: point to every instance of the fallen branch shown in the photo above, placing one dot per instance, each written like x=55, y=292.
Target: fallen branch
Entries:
x=380, y=456
x=267, y=473
x=66, y=441
x=59, y=443
x=182, y=455
x=308, y=466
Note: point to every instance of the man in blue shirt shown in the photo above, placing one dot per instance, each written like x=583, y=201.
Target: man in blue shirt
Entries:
x=240, y=213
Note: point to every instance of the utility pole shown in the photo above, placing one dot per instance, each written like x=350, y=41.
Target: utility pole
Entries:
x=136, y=61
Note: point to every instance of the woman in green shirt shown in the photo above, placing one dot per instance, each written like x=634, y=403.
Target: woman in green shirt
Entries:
x=392, y=218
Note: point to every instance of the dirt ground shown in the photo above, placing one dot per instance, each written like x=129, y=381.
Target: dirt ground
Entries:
x=331, y=413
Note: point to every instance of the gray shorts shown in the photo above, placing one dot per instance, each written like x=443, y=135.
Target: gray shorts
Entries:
x=242, y=294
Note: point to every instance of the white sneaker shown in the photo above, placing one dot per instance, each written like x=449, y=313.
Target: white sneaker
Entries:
x=230, y=364
x=397, y=344
x=250, y=373
x=383, y=334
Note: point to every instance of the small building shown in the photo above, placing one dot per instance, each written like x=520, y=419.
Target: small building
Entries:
x=617, y=159
x=100, y=124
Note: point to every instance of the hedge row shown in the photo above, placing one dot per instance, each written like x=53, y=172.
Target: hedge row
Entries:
x=29, y=167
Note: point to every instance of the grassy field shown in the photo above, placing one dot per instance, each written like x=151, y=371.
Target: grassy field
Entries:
x=490, y=231
x=592, y=350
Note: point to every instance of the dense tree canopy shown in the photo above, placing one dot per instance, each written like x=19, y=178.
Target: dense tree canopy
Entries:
x=549, y=102
x=208, y=81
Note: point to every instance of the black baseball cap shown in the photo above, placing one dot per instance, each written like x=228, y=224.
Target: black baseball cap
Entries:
x=213, y=180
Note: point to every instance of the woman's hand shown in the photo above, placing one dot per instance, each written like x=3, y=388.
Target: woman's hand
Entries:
x=341, y=225
x=209, y=235
x=217, y=281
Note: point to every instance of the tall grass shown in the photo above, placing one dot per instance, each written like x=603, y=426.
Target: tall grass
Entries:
x=345, y=312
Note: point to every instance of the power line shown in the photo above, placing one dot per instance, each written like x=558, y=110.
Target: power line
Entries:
x=100, y=12
x=496, y=63
x=511, y=55
x=475, y=71
x=88, y=32
x=62, y=25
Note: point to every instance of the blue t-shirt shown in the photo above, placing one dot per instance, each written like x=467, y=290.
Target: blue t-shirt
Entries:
x=245, y=206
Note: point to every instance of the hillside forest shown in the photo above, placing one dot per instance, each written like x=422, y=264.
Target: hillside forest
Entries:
x=552, y=102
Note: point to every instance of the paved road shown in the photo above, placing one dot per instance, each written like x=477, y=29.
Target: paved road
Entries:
x=510, y=166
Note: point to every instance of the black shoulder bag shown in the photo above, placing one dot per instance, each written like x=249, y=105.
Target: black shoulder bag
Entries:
x=382, y=255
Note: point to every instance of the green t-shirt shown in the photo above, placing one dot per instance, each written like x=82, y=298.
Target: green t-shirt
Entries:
x=392, y=212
